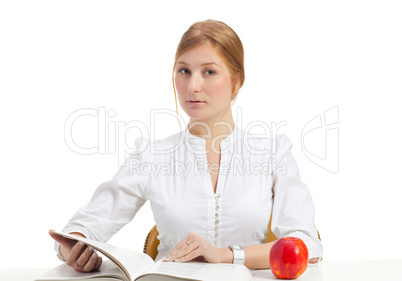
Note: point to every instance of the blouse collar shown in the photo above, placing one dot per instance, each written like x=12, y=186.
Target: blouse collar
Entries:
x=227, y=142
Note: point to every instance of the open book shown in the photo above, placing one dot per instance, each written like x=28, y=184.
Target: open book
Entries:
x=127, y=265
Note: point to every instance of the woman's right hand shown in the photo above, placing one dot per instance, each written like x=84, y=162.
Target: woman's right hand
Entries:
x=76, y=254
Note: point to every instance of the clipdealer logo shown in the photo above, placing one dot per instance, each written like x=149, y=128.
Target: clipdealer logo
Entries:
x=319, y=137
x=320, y=140
x=111, y=134
x=116, y=137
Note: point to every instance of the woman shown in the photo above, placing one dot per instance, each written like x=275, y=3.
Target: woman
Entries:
x=220, y=202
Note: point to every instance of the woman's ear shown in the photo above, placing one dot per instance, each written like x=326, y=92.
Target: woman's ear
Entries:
x=236, y=84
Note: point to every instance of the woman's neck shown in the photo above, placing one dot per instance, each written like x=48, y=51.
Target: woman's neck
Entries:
x=212, y=131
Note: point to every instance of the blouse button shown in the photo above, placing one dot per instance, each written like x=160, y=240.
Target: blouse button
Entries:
x=217, y=227
x=218, y=196
x=216, y=235
x=216, y=222
x=216, y=215
x=217, y=207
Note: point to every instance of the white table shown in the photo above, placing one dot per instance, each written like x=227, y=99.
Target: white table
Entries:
x=380, y=270
x=387, y=270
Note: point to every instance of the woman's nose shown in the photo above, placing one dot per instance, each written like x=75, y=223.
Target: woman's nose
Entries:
x=194, y=84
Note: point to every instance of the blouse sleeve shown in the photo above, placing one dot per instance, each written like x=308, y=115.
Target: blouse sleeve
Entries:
x=293, y=207
x=114, y=203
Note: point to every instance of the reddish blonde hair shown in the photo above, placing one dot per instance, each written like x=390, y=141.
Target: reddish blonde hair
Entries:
x=226, y=42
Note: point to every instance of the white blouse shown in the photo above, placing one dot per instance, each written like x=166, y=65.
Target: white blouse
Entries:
x=256, y=176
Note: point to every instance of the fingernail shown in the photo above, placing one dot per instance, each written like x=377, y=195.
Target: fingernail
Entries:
x=90, y=249
x=94, y=255
x=177, y=260
x=167, y=259
x=81, y=243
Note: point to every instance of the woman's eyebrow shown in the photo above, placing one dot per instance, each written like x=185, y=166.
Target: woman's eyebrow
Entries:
x=207, y=63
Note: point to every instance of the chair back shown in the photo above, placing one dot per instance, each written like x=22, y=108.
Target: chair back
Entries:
x=151, y=243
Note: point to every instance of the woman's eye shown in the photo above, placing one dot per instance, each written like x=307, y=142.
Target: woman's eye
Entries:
x=183, y=71
x=207, y=72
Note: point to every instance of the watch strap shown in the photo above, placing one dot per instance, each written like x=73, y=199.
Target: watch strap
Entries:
x=238, y=254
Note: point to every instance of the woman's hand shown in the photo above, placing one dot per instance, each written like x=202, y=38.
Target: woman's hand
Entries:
x=77, y=255
x=195, y=247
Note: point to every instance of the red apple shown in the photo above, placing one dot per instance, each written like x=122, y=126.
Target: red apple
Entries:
x=288, y=258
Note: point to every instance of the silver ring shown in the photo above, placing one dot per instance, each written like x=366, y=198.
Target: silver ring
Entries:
x=79, y=267
x=188, y=243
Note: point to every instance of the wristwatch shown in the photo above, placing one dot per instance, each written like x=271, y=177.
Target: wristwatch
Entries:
x=238, y=254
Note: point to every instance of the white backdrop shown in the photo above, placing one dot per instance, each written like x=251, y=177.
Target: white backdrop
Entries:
x=335, y=64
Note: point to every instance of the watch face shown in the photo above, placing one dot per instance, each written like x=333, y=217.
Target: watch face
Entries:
x=236, y=247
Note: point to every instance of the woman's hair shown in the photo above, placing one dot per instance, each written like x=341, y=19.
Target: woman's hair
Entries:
x=225, y=41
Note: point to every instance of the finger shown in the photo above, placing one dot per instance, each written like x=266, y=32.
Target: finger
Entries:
x=191, y=237
x=172, y=255
x=190, y=256
x=75, y=253
x=93, y=259
x=187, y=241
x=180, y=244
x=98, y=264
x=184, y=250
x=189, y=249
x=68, y=243
x=176, y=253
x=183, y=247
x=84, y=258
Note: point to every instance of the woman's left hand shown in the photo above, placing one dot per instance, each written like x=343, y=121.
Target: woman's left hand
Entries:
x=194, y=246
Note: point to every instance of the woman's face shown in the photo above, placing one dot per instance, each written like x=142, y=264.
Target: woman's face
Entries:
x=203, y=84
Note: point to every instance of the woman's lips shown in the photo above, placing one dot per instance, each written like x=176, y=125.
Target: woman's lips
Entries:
x=195, y=102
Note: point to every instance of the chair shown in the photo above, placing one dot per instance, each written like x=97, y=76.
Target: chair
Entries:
x=152, y=242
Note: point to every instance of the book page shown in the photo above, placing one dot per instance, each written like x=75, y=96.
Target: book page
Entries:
x=130, y=262
x=65, y=272
x=197, y=271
